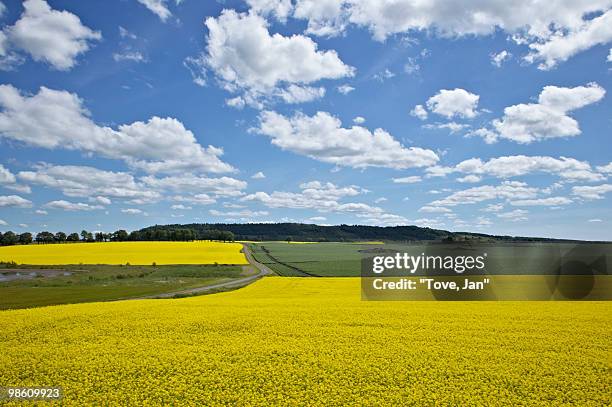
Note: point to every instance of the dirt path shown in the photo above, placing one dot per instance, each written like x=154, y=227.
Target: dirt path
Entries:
x=262, y=270
x=297, y=270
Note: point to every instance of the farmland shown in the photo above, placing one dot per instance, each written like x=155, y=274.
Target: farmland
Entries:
x=319, y=259
x=26, y=287
x=281, y=341
x=344, y=259
x=84, y=272
x=134, y=253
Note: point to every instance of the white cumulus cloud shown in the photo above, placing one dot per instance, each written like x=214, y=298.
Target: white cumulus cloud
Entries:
x=9, y=181
x=419, y=112
x=301, y=94
x=452, y=127
x=218, y=187
x=517, y=215
x=554, y=31
x=469, y=179
x=180, y=207
x=132, y=56
x=323, y=138
x=246, y=58
x=157, y=7
x=325, y=197
x=14, y=201
x=279, y=9
x=407, y=180
x=345, y=89
x=89, y=182
x=517, y=165
x=57, y=119
x=134, y=211
x=526, y=123
x=606, y=169
x=72, y=206
x=552, y=201
x=499, y=58
x=560, y=46
x=456, y=102
x=48, y=35
x=506, y=190
x=592, y=192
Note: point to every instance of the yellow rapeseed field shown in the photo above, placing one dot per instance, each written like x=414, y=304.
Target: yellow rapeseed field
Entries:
x=276, y=241
x=299, y=341
x=135, y=253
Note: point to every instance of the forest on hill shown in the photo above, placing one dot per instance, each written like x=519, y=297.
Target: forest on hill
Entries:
x=318, y=233
x=229, y=232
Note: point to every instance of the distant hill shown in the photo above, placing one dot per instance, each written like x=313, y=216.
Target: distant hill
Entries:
x=339, y=233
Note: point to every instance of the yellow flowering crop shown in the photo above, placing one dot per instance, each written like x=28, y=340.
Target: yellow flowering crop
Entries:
x=135, y=253
x=300, y=341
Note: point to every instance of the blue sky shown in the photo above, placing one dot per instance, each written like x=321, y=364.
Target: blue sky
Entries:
x=489, y=118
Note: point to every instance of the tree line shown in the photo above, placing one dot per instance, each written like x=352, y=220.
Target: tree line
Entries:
x=311, y=232
x=229, y=232
x=332, y=233
x=180, y=234
x=10, y=238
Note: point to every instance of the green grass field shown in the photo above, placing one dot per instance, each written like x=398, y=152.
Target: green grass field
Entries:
x=262, y=254
x=337, y=259
x=344, y=259
x=51, y=285
x=320, y=259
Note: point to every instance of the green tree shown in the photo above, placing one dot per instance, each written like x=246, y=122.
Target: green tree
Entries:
x=9, y=238
x=120, y=236
x=87, y=236
x=25, y=238
x=135, y=236
x=45, y=237
x=60, y=237
x=73, y=237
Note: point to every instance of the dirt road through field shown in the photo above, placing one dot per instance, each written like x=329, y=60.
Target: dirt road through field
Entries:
x=262, y=270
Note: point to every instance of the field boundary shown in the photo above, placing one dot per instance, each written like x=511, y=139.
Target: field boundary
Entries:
x=226, y=285
x=263, y=269
x=292, y=267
